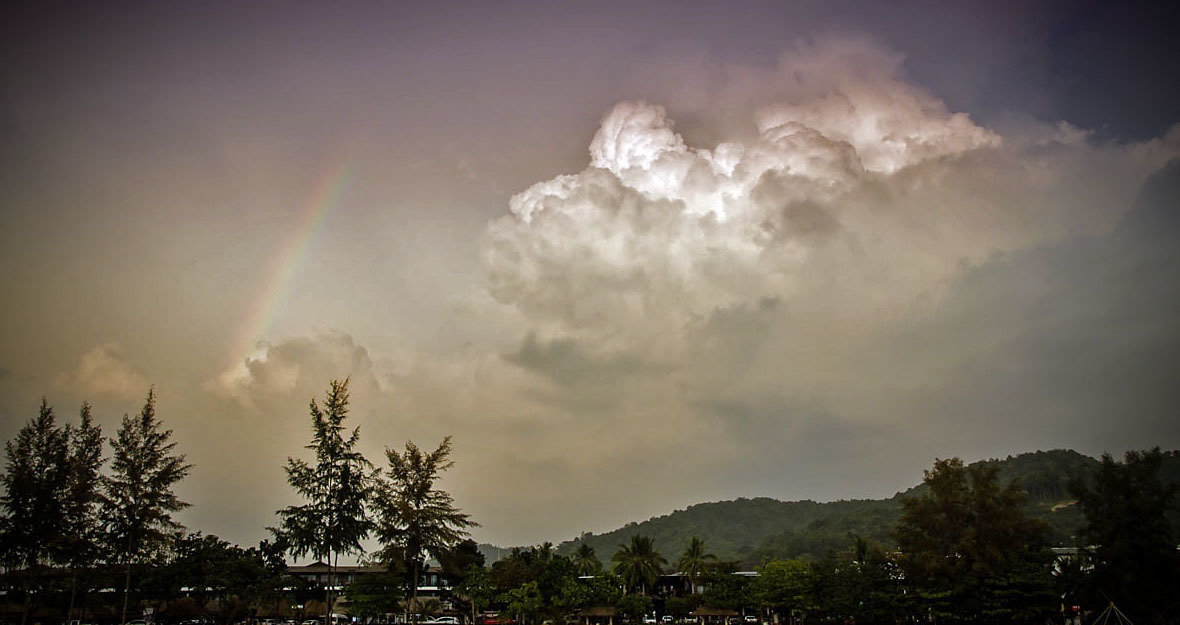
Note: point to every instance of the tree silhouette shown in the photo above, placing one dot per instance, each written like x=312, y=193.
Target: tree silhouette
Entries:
x=694, y=560
x=1133, y=553
x=414, y=518
x=586, y=561
x=139, y=502
x=968, y=549
x=337, y=488
x=34, y=479
x=80, y=543
x=639, y=564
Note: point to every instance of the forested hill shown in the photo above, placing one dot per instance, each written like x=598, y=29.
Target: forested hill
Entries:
x=747, y=530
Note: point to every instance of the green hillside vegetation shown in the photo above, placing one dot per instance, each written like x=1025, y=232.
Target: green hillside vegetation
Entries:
x=748, y=531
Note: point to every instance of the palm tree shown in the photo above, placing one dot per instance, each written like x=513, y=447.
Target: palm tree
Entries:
x=416, y=519
x=639, y=564
x=586, y=561
x=694, y=560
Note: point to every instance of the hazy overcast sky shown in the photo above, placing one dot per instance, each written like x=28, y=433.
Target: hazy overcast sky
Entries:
x=632, y=256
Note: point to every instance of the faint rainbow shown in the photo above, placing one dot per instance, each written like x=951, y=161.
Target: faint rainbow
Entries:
x=291, y=256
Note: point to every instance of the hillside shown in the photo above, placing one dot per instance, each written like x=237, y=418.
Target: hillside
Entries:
x=747, y=530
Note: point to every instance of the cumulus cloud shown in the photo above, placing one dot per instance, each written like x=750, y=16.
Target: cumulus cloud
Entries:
x=854, y=175
x=105, y=370
x=296, y=367
x=841, y=268
x=861, y=275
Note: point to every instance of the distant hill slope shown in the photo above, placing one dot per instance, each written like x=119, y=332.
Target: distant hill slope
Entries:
x=747, y=530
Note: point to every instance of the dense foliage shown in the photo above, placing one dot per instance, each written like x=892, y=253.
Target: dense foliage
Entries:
x=968, y=550
x=1129, y=542
x=969, y=544
x=752, y=530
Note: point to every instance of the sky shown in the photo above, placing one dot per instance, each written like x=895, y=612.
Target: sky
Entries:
x=631, y=256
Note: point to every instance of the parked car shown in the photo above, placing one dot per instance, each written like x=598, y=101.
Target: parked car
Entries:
x=751, y=619
x=649, y=619
x=667, y=618
x=444, y=620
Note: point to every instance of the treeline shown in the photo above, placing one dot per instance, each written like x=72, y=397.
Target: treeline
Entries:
x=75, y=524
x=68, y=524
x=752, y=530
x=964, y=550
x=84, y=536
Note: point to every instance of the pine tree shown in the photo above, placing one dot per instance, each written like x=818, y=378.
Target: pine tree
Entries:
x=79, y=546
x=34, y=482
x=337, y=488
x=139, y=502
x=415, y=519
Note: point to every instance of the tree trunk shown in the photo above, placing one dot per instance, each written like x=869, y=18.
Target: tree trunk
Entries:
x=414, y=595
x=73, y=592
x=328, y=594
x=126, y=590
x=24, y=612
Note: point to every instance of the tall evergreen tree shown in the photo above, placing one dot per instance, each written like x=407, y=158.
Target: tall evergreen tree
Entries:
x=337, y=487
x=34, y=482
x=415, y=518
x=139, y=501
x=79, y=545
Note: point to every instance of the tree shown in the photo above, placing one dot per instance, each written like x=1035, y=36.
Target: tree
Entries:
x=524, y=601
x=725, y=590
x=968, y=550
x=35, y=480
x=694, y=560
x=1133, y=553
x=139, y=502
x=635, y=606
x=783, y=585
x=458, y=560
x=639, y=564
x=586, y=561
x=857, y=583
x=374, y=595
x=79, y=545
x=414, y=518
x=477, y=589
x=337, y=487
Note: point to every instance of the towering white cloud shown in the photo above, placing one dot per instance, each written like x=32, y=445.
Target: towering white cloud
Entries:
x=860, y=196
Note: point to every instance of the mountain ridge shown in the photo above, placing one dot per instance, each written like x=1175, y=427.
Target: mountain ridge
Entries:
x=747, y=530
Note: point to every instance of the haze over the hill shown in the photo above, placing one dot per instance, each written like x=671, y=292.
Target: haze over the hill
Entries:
x=632, y=258
x=747, y=531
